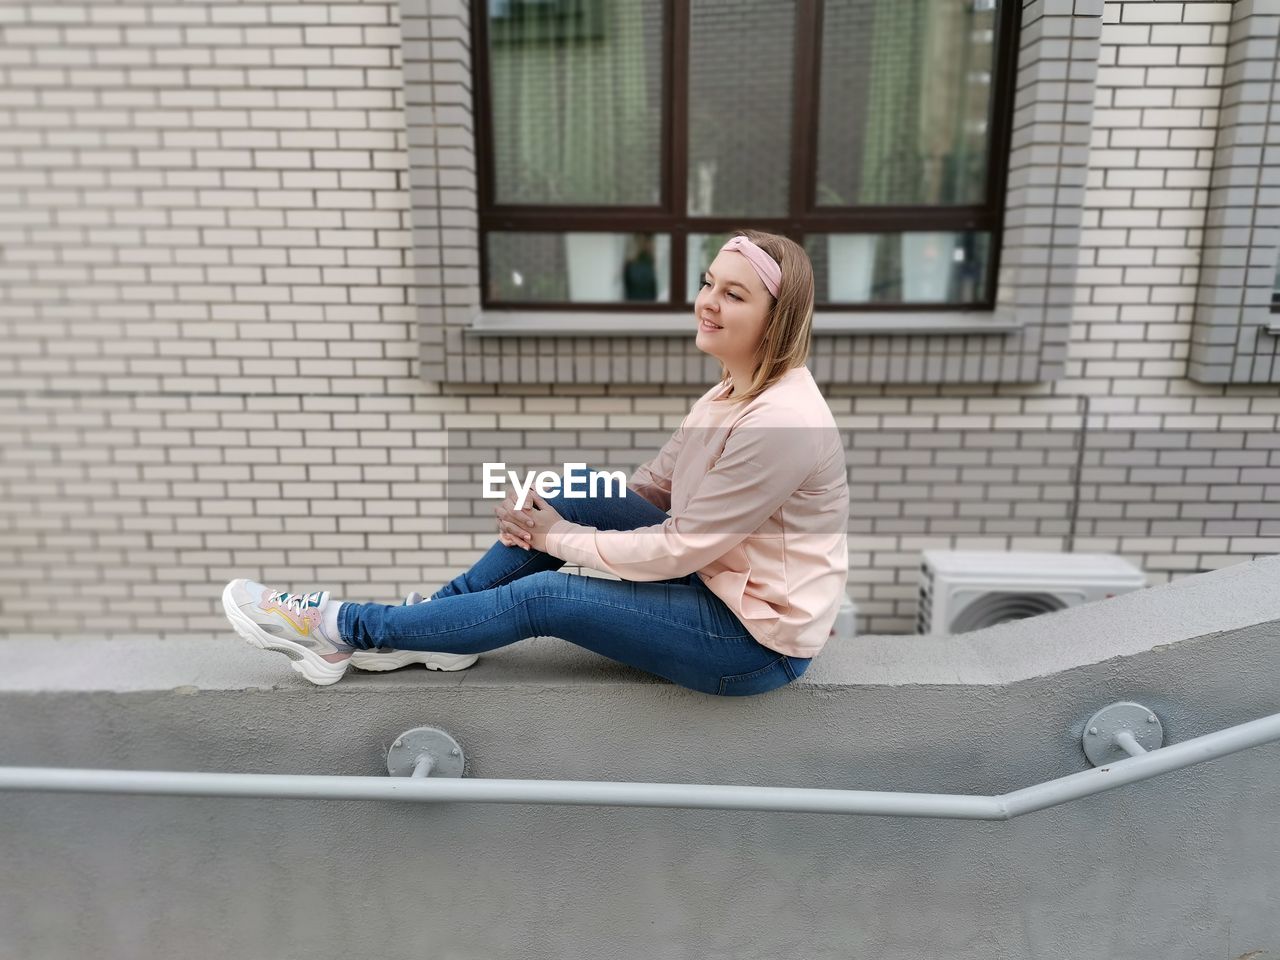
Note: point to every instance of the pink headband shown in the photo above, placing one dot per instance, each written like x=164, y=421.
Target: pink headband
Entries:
x=764, y=265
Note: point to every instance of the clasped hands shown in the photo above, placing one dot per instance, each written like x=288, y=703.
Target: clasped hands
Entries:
x=528, y=526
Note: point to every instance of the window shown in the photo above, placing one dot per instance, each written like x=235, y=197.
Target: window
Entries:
x=619, y=142
x=1275, y=291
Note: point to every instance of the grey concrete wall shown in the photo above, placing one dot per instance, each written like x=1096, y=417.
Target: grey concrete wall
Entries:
x=1182, y=867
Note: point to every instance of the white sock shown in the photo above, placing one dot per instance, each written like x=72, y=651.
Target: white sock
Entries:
x=329, y=620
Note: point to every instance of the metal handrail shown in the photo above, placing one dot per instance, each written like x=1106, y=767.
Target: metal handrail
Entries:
x=420, y=786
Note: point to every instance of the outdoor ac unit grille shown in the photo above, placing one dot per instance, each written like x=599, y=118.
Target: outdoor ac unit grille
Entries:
x=924, y=605
x=996, y=607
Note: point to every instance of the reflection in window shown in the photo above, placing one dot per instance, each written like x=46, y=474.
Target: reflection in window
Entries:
x=740, y=106
x=917, y=267
x=576, y=90
x=578, y=267
x=639, y=270
x=1275, y=291
x=903, y=103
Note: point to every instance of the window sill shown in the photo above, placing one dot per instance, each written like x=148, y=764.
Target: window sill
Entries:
x=604, y=323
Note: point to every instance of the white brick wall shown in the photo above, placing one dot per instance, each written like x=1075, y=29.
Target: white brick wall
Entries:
x=210, y=364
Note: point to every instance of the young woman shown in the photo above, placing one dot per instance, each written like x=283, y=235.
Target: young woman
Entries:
x=730, y=544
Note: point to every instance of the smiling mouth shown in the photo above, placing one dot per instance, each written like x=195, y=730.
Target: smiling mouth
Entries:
x=714, y=326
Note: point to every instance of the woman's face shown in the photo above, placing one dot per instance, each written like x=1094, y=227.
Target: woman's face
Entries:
x=731, y=308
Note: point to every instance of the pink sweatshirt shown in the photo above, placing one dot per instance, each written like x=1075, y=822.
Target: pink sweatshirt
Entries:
x=759, y=504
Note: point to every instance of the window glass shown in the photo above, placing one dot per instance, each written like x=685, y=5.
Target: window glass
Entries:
x=917, y=267
x=576, y=100
x=741, y=72
x=904, y=98
x=579, y=267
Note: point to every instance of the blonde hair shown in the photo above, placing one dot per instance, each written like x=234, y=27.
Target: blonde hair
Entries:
x=788, y=329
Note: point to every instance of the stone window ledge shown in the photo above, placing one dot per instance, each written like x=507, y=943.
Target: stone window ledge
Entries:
x=665, y=323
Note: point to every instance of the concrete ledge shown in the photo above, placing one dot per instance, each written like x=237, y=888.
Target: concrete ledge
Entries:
x=1236, y=597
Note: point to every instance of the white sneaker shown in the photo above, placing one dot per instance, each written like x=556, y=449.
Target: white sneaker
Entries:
x=389, y=658
x=288, y=623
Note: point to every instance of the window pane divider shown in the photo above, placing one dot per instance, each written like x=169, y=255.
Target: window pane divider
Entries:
x=678, y=13
x=804, y=116
x=850, y=220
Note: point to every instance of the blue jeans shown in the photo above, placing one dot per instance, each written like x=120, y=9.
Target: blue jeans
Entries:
x=677, y=629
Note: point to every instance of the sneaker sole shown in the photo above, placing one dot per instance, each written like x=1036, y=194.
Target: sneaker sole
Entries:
x=378, y=662
x=306, y=662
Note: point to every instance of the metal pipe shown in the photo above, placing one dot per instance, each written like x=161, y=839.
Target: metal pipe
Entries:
x=1211, y=746
x=423, y=767
x=780, y=799
x=482, y=790
x=1126, y=741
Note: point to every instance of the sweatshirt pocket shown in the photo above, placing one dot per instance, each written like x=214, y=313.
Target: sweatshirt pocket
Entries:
x=733, y=587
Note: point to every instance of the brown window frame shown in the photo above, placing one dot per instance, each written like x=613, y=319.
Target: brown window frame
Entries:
x=805, y=217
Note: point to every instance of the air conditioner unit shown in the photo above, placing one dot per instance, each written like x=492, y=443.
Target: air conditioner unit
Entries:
x=963, y=590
